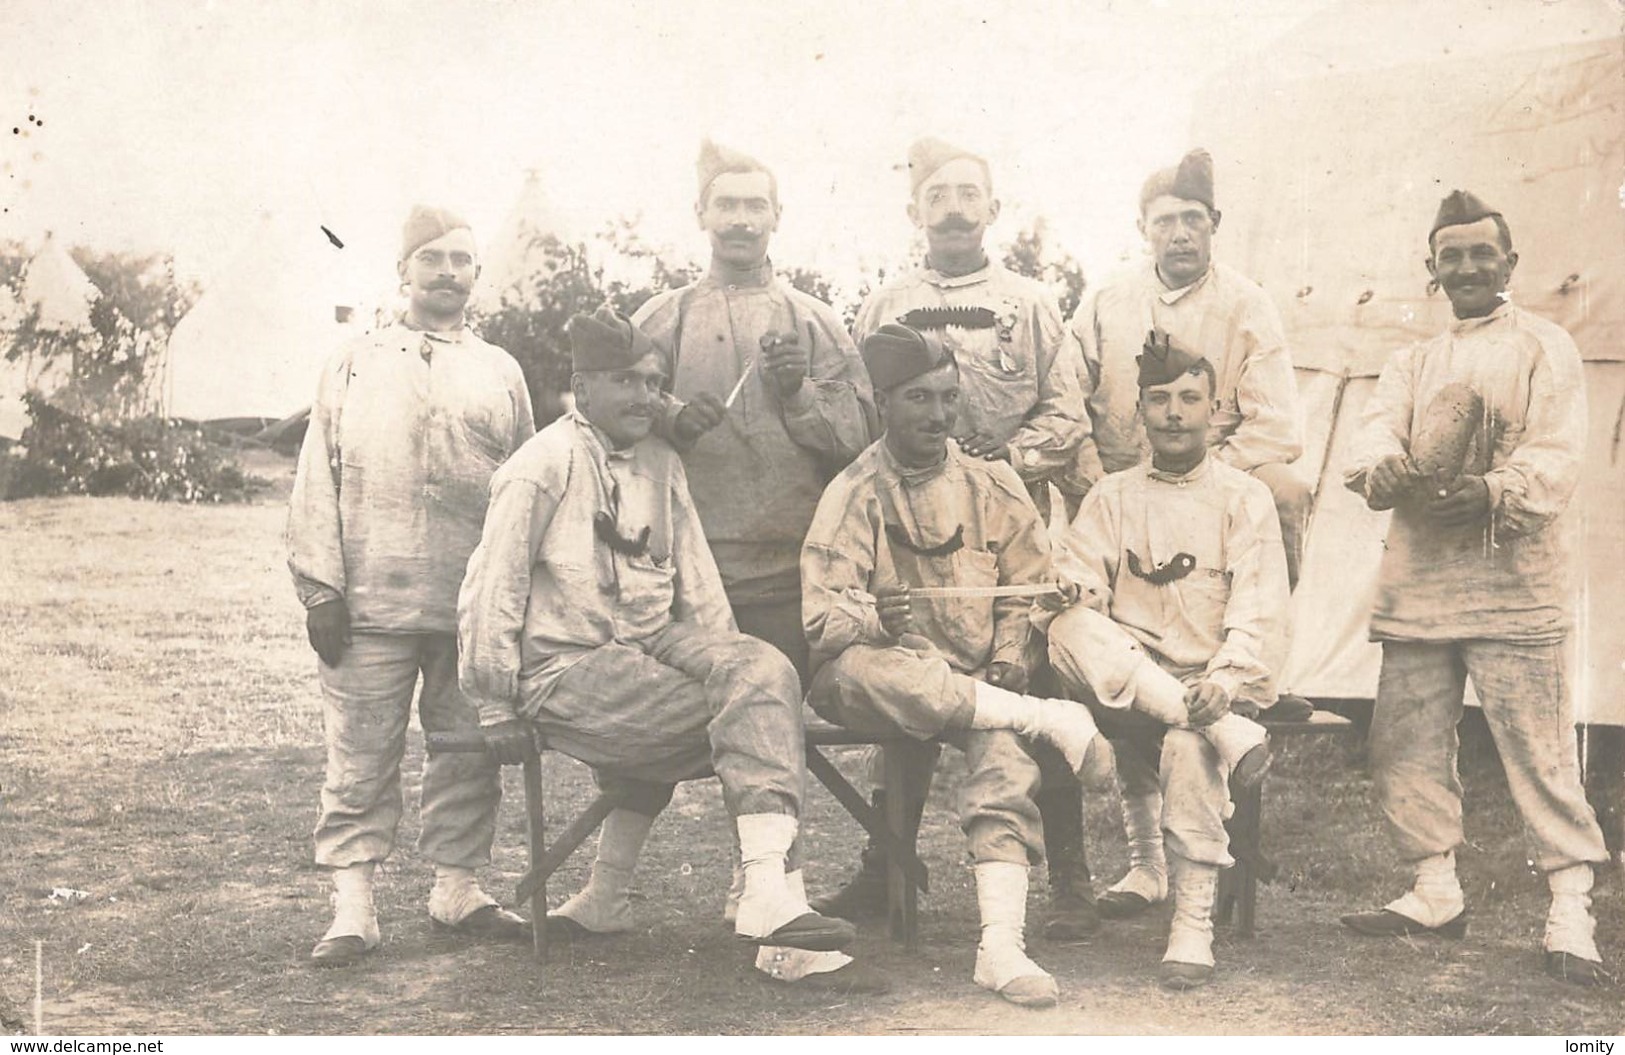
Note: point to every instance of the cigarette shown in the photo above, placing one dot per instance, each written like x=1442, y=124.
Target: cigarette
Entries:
x=728, y=403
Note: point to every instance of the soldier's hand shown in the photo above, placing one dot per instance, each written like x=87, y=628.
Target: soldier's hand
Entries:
x=785, y=360
x=1461, y=503
x=702, y=414
x=981, y=445
x=328, y=627
x=508, y=742
x=1207, y=702
x=1012, y=676
x=895, y=608
x=1388, y=480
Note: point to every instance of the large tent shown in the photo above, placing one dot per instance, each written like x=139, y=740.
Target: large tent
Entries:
x=54, y=285
x=1333, y=150
x=254, y=344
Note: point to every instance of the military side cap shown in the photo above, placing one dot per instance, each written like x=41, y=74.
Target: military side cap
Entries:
x=1163, y=361
x=1459, y=207
x=425, y=224
x=1191, y=179
x=715, y=159
x=928, y=154
x=606, y=340
x=895, y=353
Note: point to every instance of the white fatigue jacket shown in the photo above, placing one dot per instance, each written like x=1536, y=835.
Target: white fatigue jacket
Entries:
x=1019, y=377
x=406, y=430
x=1509, y=579
x=757, y=476
x=1191, y=566
x=1223, y=316
x=546, y=585
x=978, y=528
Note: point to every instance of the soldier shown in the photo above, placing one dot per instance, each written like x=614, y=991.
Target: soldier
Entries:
x=408, y=426
x=593, y=612
x=1228, y=319
x=1020, y=404
x=915, y=513
x=1180, y=581
x=1474, y=439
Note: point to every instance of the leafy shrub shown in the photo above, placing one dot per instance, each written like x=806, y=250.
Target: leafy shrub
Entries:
x=149, y=457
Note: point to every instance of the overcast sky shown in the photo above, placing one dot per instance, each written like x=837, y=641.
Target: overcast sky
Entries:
x=173, y=124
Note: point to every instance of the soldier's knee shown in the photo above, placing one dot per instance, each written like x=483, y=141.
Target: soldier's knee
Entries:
x=768, y=667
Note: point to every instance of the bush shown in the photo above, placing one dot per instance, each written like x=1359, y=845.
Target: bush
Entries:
x=149, y=457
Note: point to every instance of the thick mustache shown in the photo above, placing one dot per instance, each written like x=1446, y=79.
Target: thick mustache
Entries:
x=450, y=283
x=953, y=223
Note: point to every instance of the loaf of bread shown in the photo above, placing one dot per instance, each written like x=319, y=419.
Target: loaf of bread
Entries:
x=1448, y=441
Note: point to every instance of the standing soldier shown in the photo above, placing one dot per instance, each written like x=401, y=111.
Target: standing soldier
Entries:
x=1021, y=404
x=1474, y=439
x=408, y=426
x=767, y=401
x=1228, y=319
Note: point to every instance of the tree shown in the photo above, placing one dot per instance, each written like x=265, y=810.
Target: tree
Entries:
x=1031, y=254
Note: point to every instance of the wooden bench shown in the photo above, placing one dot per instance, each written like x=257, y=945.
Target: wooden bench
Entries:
x=1238, y=884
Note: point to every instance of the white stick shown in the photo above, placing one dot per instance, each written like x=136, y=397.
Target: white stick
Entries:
x=1028, y=590
x=728, y=403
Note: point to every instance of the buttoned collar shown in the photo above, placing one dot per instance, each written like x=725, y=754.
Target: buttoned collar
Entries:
x=912, y=475
x=452, y=336
x=599, y=442
x=1201, y=470
x=757, y=277
x=1174, y=296
x=1502, y=312
x=941, y=281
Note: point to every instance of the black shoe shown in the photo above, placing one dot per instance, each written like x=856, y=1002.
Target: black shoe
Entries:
x=1250, y=769
x=812, y=932
x=1121, y=904
x=1385, y=923
x=1289, y=707
x=342, y=951
x=1577, y=970
x=1071, y=917
x=566, y=930
x=1181, y=976
x=489, y=923
x=862, y=897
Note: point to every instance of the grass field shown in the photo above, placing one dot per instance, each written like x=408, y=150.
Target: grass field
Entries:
x=160, y=753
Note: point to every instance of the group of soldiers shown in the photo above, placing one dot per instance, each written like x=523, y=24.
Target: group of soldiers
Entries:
x=749, y=511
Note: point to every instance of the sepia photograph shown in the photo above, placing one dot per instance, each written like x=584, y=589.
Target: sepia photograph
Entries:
x=602, y=519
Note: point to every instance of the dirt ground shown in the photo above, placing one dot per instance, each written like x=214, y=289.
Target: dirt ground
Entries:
x=159, y=764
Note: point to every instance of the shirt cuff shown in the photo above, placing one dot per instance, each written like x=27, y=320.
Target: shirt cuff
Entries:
x=1226, y=679
x=495, y=712
x=1496, y=484
x=803, y=401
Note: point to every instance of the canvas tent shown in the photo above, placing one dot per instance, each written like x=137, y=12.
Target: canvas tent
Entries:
x=1333, y=150
x=518, y=251
x=55, y=285
x=254, y=344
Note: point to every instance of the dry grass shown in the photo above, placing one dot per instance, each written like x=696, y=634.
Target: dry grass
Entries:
x=159, y=750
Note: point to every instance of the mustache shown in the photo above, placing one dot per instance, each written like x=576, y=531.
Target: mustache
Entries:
x=447, y=283
x=953, y=223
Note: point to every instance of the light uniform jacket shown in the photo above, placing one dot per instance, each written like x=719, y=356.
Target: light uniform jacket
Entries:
x=407, y=428
x=544, y=589
x=853, y=548
x=1223, y=316
x=1214, y=534
x=757, y=476
x=1019, y=378
x=1508, y=580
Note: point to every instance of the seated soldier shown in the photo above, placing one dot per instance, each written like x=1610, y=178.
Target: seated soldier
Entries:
x=1179, y=578
x=593, y=613
x=913, y=513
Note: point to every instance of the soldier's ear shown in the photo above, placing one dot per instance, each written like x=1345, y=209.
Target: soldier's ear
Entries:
x=1215, y=215
x=914, y=214
x=1433, y=269
x=1512, y=261
x=993, y=212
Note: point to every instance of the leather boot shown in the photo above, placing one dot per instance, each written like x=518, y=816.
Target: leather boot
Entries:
x=864, y=895
x=1071, y=916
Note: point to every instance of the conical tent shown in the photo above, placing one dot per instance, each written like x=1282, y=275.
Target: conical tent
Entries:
x=254, y=344
x=516, y=252
x=1333, y=150
x=54, y=285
